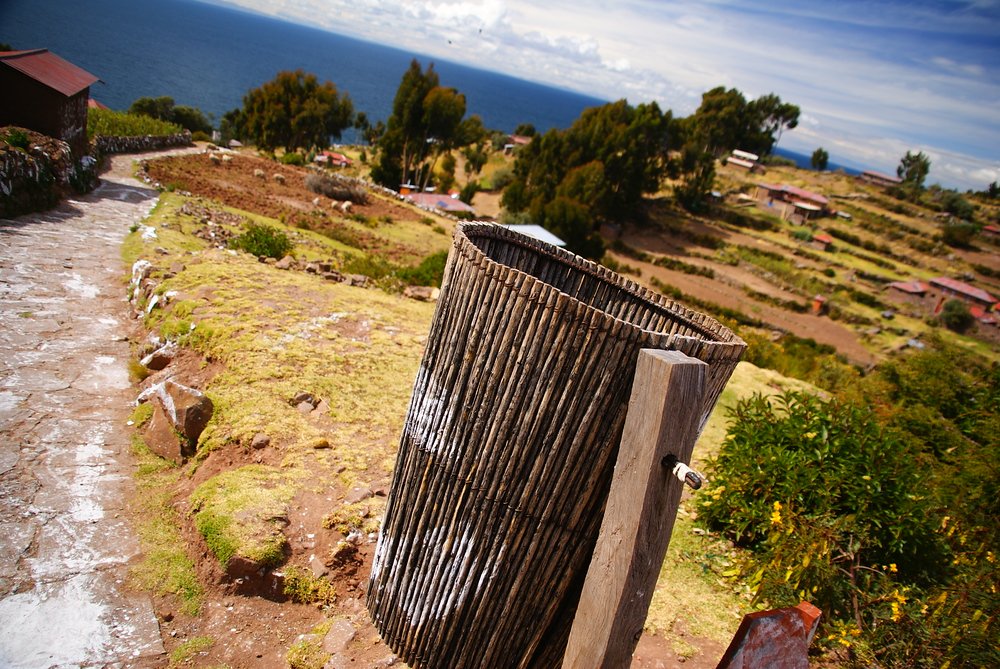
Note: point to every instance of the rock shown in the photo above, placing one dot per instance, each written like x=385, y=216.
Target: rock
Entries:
x=285, y=263
x=357, y=494
x=191, y=409
x=319, y=443
x=386, y=662
x=422, y=293
x=161, y=357
x=187, y=409
x=161, y=438
x=305, y=407
x=317, y=567
x=380, y=491
x=304, y=397
x=346, y=206
x=340, y=635
x=260, y=440
x=259, y=173
x=279, y=177
x=316, y=201
x=312, y=268
x=333, y=276
x=323, y=407
x=359, y=280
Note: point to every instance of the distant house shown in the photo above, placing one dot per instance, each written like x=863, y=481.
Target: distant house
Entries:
x=514, y=142
x=983, y=316
x=744, y=160
x=991, y=231
x=918, y=288
x=822, y=241
x=332, y=159
x=963, y=291
x=440, y=202
x=911, y=292
x=44, y=93
x=793, y=203
x=879, y=179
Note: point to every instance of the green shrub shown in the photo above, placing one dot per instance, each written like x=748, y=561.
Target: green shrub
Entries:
x=825, y=497
x=262, y=240
x=110, y=123
x=293, y=159
x=17, y=138
x=336, y=187
x=955, y=316
x=429, y=272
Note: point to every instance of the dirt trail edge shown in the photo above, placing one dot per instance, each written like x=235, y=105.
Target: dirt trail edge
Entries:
x=65, y=475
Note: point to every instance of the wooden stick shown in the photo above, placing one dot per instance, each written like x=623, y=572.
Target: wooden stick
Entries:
x=660, y=430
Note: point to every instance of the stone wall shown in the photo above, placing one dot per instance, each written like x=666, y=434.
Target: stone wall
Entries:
x=36, y=176
x=108, y=145
x=32, y=177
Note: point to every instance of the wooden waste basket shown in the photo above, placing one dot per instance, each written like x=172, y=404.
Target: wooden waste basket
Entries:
x=509, y=448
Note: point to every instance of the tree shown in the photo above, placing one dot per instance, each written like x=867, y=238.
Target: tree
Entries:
x=525, y=130
x=955, y=316
x=163, y=108
x=913, y=169
x=293, y=110
x=820, y=158
x=699, y=176
x=769, y=117
x=726, y=121
x=426, y=122
x=598, y=170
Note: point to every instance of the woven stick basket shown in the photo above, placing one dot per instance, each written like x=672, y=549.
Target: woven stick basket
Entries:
x=509, y=448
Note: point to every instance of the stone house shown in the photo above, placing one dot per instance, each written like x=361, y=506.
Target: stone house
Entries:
x=44, y=93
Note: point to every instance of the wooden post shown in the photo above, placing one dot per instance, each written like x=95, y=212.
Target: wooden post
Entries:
x=660, y=428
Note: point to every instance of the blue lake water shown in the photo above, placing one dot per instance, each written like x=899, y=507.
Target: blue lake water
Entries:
x=208, y=56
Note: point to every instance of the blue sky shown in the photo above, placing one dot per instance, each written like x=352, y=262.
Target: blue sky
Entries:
x=873, y=79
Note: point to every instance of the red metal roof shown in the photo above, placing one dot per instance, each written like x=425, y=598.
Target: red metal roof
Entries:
x=47, y=68
x=912, y=287
x=881, y=176
x=436, y=201
x=980, y=315
x=963, y=288
x=797, y=192
x=805, y=194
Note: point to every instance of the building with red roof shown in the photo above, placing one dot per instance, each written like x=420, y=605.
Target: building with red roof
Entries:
x=963, y=291
x=793, y=203
x=822, y=241
x=44, y=93
x=909, y=287
x=440, y=202
x=879, y=179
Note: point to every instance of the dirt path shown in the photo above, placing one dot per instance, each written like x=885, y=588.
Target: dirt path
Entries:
x=64, y=467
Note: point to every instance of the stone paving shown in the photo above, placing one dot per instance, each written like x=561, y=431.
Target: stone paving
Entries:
x=65, y=472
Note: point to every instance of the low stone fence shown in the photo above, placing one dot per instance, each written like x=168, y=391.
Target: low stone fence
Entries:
x=32, y=177
x=108, y=145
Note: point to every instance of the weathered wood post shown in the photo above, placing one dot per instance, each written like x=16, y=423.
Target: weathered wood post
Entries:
x=509, y=448
x=660, y=431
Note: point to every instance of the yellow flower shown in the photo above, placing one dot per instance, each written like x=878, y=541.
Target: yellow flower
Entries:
x=897, y=613
x=776, y=513
x=892, y=567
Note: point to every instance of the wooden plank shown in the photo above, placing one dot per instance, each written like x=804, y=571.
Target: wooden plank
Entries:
x=663, y=421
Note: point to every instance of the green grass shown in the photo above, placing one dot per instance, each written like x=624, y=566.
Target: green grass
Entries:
x=165, y=568
x=241, y=512
x=186, y=652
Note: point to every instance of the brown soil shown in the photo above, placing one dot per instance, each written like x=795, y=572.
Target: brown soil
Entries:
x=236, y=183
x=726, y=288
